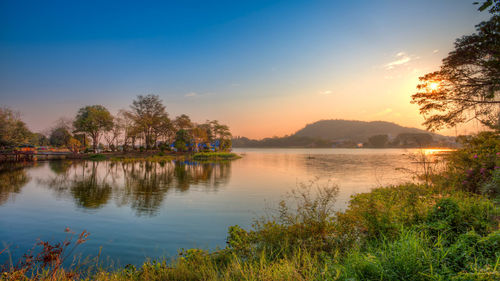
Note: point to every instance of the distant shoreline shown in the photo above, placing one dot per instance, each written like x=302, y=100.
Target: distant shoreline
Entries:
x=295, y=147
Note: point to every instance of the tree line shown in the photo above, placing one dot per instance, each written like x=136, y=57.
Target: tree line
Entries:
x=146, y=125
x=402, y=140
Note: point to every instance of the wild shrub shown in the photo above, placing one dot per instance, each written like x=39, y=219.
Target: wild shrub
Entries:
x=384, y=211
x=491, y=188
x=304, y=221
x=472, y=167
x=471, y=250
x=46, y=263
x=453, y=216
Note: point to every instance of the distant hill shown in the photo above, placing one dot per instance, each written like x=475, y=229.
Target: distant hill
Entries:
x=358, y=131
x=348, y=133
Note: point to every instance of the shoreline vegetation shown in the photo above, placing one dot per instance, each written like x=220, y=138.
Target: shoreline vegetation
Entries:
x=444, y=227
x=159, y=156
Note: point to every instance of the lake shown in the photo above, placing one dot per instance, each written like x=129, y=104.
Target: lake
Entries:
x=144, y=209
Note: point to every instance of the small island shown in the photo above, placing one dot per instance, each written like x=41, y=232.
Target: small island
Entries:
x=144, y=132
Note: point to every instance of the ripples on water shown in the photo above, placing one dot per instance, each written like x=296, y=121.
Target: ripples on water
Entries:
x=151, y=209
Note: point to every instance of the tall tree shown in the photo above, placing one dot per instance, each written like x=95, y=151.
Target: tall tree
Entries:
x=114, y=133
x=200, y=135
x=183, y=122
x=221, y=133
x=148, y=113
x=468, y=84
x=13, y=130
x=38, y=139
x=165, y=129
x=93, y=120
x=126, y=120
x=182, y=138
x=60, y=136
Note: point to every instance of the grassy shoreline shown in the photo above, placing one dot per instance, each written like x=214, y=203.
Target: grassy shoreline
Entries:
x=158, y=156
x=445, y=229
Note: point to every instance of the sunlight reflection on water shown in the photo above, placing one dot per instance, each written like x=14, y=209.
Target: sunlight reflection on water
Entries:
x=149, y=209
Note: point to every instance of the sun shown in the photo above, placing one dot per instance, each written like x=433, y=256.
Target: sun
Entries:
x=433, y=86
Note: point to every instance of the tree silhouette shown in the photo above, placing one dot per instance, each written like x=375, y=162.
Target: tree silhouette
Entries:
x=468, y=84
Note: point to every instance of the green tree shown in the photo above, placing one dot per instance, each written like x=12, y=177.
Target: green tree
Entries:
x=165, y=129
x=130, y=131
x=93, y=120
x=13, y=130
x=83, y=139
x=183, y=122
x=38, y=139
x=182, y=138
x=200, y=134
x=148, y=113
x=60, y=136
x=467, y=86
x=222, y=133
x=493, y=6
x=74, y=145
x=114, y=134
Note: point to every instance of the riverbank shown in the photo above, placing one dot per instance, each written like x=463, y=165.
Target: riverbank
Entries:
x=405, y=232
x=444, y=229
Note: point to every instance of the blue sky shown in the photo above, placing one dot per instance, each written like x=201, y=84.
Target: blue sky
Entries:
x=263, y=67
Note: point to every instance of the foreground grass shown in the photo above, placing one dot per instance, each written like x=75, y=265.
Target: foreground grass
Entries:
x=447, y=229
x=405, y=232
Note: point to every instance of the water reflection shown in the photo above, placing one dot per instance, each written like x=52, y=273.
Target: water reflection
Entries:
x=12, y=178
x=141, y=185
x=183, y=204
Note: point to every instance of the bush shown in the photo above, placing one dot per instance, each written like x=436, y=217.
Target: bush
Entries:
x=457, y=215
x=472, y=168
x=303, y=221
x=492, y=188
x=384, y=211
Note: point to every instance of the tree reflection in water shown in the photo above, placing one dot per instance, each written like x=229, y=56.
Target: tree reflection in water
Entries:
x=12, y=178
x=81, y=181
x=141, y=185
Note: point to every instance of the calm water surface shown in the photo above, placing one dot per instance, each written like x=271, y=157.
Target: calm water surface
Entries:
x=143, y=209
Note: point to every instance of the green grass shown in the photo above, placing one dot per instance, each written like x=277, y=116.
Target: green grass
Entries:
x=204, y=156
x=150, y=158
x=160, y=156
x=97, y=157
x=405, y=232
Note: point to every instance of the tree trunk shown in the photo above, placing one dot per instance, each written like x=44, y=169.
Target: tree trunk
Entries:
x=94, y=141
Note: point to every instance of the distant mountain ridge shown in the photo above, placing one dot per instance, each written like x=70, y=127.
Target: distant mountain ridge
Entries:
x=339, y=129
x=350, y=134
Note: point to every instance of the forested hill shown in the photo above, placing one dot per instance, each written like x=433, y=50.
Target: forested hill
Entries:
x=345, y=133
x=358, y=131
